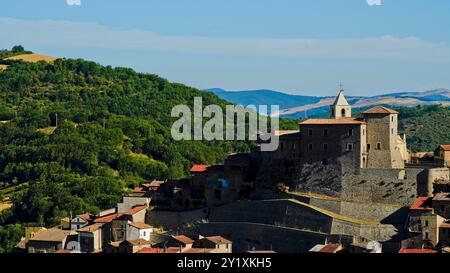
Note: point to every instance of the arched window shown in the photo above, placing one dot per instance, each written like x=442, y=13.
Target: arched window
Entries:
x=343, y=112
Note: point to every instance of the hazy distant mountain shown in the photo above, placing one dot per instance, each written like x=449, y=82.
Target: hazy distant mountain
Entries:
x=294, y=106
x=264, y=97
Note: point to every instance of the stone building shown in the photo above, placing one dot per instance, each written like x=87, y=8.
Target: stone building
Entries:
x=360, y=158
x=442, y=155
x=368, y=142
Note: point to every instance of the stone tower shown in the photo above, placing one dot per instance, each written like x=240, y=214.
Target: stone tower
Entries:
x=384, y=145
x=340, y=107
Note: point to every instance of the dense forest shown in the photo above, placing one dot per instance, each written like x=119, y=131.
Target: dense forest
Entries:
x=426, y=127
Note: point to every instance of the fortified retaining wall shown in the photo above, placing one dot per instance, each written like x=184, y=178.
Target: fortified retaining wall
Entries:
x=253, y=236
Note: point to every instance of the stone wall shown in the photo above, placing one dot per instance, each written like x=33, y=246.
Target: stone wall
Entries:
x=249, y=236
x=175, y=220
x=389, y=186
x=273, y=212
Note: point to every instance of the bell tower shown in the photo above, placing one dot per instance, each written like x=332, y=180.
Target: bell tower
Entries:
x=340, y=107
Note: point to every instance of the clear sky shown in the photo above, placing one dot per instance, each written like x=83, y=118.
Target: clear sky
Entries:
x=297, y=46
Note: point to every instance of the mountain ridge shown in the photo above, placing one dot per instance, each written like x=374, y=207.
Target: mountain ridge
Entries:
x=298, y=106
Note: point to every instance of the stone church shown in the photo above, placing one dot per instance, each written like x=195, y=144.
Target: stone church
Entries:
x=359, y=158
x=371, y=141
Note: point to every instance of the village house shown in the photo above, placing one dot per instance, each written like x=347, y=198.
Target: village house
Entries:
x=328, y=248
x=181, y=241
x=81, y=220
x=218, y=243
x=138, y=230
x=91, y=238
x=442, y=155
x=120, y=221
x=47, y=241
x=441, y=204
x=133, y=246
x=425, y=222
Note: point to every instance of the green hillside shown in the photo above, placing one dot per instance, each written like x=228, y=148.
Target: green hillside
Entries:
x=113, y=132
x=425, y=127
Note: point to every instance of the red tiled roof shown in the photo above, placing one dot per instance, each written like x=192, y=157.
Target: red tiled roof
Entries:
x=420, y=204
x=337, y=121
x=64, y=251
x=133, y=211
x=445, y=147
x=152, y=250
x=417, y=251
x=184, y=239
x=140, y=225
x=86, y=216
x=331, y=248
x=138, y=189
x=218, y=240
x=107, y=218
x=199, y=168
x=199, y=250
x=90, y=228
x=380, y=110
x=156, y=183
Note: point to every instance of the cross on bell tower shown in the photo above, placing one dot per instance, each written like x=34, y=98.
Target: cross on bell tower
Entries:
x=340, y=107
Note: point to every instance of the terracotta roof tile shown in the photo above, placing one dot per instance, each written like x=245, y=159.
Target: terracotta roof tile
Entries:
x=107, y=218
x=338, y=121
x=86, y=216
x=199, y=168
x=90, y=228
x=140, y=225
x=134, y=210
x=421, y=203
x=184, y=239
x=417, y=251
x=331, y=248
x=380, y=110
x=50, y=235
x=445, y=147
x=199, y=250
x=218, y=240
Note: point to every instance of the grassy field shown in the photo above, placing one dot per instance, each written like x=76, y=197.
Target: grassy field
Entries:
x=3, y=67
x=32, y=58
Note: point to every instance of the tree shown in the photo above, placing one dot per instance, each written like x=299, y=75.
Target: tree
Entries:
x=18, y=49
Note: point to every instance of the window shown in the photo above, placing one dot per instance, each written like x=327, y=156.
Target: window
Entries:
x=350, y=132
x=368, y=147
x=343, y=112
x=310, y=132
x=144, y=233
x=426, y=235
x=282, y=146
x=310, y=146
x=364, y=132
x=392, y=118
x=325, y=146
x=378, y=145
x=325, y=132
x=349, y=147
x=426, y=223
x=392, y=130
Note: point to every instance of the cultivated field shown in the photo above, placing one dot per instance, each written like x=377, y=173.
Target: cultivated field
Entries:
x=32, y=58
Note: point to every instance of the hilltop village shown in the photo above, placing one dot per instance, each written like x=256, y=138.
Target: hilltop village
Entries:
x=343, y=184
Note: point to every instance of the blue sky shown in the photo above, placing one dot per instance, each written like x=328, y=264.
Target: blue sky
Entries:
x=297, y=46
